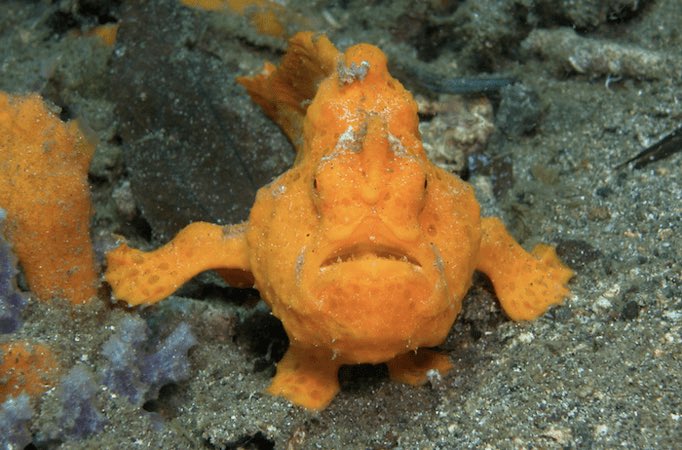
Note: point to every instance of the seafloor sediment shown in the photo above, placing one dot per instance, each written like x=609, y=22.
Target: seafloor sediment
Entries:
x=597, y=83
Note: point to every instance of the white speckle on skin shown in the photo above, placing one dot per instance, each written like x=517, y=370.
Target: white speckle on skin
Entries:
x=397, y=146
x=346, y=140
x=440, y=265
x=347, y=75
x=300, y=260
x=279, y=190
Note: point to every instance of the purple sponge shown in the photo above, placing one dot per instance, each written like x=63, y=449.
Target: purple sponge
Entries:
x=77, y=413
x=15, y=414
x=138, y=368
x=124, y=351
x=169, y=363
x=79, y=417
x=12, y=302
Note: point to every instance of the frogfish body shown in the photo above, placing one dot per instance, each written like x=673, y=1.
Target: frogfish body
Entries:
x=364, y=249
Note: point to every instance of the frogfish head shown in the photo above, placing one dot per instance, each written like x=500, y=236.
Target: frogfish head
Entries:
x=368, y=278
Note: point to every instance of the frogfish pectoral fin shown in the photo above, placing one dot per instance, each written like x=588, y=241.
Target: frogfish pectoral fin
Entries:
x=526, y=283
x=139, y=277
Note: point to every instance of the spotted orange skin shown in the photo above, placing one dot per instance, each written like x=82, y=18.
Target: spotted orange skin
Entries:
x=363, y=249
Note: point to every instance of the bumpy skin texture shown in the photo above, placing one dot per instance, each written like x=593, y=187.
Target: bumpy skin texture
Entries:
x=364, y=249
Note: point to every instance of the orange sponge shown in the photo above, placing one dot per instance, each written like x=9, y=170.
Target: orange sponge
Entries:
x=25, y=367
x=44, y=189
x=265, y=15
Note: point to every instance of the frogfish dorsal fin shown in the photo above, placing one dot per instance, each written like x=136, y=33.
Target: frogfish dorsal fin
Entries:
x=284, y=92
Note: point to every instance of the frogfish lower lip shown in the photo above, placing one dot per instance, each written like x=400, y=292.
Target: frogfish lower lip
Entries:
x=368, y=251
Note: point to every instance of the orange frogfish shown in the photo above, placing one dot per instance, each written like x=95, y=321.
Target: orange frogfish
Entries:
x=363, y=249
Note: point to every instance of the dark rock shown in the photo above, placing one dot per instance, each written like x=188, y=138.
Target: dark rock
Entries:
x=603, y=192
x=630, y=311
x=196, y=148
x=576, y=253
x=520, y=110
